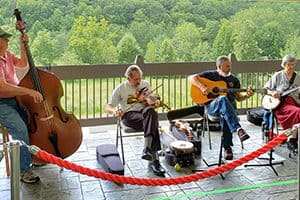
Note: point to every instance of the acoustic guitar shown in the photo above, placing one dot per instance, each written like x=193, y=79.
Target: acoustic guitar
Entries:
x=215, y=89
x=271, y=103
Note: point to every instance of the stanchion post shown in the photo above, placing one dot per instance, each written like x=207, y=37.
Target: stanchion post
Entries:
x=15, y=170
x=298, y=166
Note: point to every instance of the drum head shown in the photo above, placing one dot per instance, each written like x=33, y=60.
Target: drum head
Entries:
x=181, y=146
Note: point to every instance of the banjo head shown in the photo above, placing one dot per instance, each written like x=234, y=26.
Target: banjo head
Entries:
x=270, y=103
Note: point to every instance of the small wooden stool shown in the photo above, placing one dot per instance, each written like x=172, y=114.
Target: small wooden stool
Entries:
x=5, y=140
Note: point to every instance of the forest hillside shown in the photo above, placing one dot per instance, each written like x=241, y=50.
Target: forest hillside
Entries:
x=64, y=32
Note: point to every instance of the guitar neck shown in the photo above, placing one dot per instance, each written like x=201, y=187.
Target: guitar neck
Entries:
x=232, y=90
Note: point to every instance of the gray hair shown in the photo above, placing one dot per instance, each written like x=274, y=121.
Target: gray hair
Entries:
x=288, y=58
x=221, y=59
x=132, y=68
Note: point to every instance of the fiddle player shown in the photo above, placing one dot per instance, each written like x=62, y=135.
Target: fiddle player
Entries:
x=224, y=105
x=11, y=116
x=138, y=115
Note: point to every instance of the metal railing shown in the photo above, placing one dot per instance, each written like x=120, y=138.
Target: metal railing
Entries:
x=87, y=88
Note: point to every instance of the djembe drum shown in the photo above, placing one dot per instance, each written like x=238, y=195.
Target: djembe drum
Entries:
x=181, y=152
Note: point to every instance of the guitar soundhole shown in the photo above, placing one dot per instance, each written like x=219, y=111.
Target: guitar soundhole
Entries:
x=215, y=90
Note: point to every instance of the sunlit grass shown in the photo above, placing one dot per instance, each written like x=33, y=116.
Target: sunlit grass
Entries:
x=87, y=98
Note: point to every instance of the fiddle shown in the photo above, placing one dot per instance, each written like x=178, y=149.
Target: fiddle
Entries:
x=148, y=98
x=184, y=127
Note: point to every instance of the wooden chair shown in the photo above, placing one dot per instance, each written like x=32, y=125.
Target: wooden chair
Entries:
x=5, y=140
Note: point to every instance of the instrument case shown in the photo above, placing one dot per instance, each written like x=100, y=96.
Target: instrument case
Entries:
x=108, y=157
x=255, y=115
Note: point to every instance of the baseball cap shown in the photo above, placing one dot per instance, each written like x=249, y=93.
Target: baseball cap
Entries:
x=4, y=34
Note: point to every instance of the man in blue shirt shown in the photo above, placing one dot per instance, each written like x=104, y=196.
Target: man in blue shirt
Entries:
x=223, y=105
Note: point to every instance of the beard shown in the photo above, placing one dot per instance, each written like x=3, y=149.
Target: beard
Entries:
x=224, y=74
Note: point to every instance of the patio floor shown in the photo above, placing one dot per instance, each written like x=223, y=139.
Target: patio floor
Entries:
x=239, y=183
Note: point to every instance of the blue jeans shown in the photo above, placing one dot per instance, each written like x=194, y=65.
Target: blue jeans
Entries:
x=221, y=106
x=268, y=119
x=12, y=117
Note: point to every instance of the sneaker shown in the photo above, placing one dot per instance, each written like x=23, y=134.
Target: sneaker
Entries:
x=157, y=169
x=147, y=154
x=228, y=155
x=29, y=177
x=243, y=135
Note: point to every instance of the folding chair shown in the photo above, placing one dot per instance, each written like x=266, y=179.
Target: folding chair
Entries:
x=119, y=136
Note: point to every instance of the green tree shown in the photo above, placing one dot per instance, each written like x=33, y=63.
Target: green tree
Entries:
x=223, y=43
x=292, y=45
x=128, y=49
x=166, y=52
x=202, y=52
x=186, y=39
x=92, y=41
x=211, y=30
x=143, y=32
x=43, y=48
x=150, y=52
x=245, y=46
x=252, y=34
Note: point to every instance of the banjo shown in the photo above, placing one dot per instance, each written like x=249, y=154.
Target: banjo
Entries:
x=271, y=103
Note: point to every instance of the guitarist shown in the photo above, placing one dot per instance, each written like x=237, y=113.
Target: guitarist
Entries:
x=288, y=112
x=224, y=105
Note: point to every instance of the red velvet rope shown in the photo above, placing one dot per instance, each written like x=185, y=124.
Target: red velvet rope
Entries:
x=161, y=181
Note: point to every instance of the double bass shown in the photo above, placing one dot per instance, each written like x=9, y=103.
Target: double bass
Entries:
x=50, y=127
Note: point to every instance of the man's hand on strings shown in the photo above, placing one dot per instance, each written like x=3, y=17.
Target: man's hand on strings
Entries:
x=204, y=90
x=119, y=113
x=250, y=92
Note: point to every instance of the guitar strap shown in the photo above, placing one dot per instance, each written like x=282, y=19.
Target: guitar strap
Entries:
x=292, y=79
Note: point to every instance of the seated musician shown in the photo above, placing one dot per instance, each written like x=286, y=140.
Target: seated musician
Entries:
x=10, y=114
x=138, y=114
x=223, y=105
x=288, y=113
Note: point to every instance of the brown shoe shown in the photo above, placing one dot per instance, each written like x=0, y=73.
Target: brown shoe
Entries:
x=228, y=155
x=243, y=135
x=29, y=177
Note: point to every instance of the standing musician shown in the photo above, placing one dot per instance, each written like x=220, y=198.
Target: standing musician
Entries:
x=288, y=112
x=224, y=105
x=11, y=116
x=138, y=115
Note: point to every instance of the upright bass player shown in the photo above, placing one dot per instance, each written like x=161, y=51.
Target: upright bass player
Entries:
x=11, y=116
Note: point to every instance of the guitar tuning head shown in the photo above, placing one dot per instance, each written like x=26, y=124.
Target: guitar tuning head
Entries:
x=264, y=91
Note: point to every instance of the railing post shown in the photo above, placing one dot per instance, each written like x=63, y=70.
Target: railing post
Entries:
x=139, y=60
x=15, y=170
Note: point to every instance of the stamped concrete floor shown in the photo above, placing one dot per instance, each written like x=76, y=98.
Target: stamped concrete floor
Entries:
x=240, y=183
